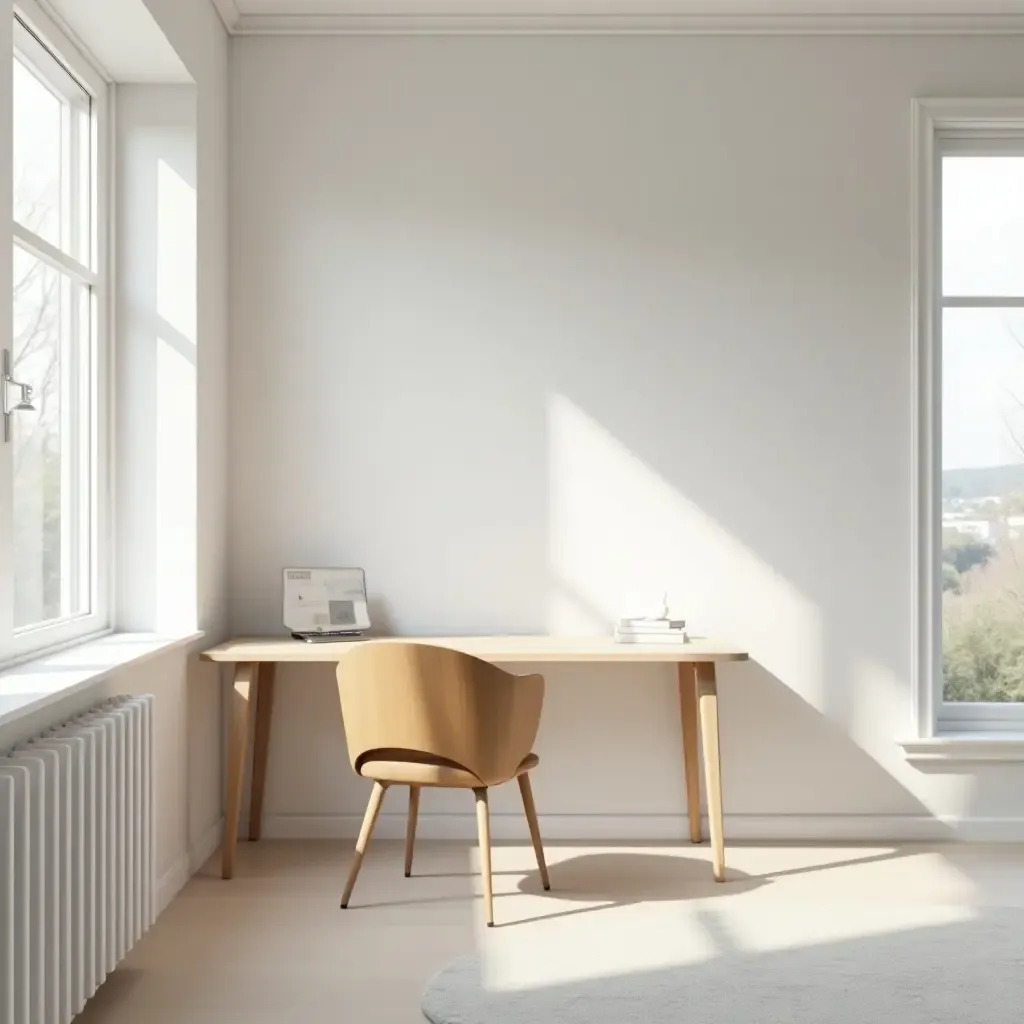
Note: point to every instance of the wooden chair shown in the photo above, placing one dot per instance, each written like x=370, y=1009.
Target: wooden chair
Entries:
x=417, y=715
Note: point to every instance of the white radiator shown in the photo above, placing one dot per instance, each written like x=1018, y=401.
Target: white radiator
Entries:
x=76, y=858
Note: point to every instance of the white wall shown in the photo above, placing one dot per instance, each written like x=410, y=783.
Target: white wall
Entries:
x=523, y=325
x=157, y=352
x=158, y=349
x=165, y=304
x=196, y=32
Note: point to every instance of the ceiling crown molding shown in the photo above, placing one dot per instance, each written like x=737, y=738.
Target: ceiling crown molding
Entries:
x=229, y=14
x=637, y=17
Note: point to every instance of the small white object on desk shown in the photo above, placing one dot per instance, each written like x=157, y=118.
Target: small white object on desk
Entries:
x=659, y=629
x=662, y=639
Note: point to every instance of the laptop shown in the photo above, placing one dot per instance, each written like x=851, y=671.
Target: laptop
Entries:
x=325, y=605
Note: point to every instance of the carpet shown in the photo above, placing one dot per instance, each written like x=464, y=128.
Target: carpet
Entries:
x=963, y=972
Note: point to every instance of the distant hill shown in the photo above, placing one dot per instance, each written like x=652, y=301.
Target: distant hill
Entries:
x=981, y=483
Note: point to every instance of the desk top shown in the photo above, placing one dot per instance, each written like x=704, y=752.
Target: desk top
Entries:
x=503, y=649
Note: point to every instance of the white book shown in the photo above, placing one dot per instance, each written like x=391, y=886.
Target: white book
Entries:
x=651, y=625
x=639, y=630
x=676, y=637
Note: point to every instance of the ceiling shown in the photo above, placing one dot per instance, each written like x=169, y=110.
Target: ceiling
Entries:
x=696, y=16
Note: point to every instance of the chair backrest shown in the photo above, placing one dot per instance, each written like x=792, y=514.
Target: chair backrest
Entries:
x=434, y=702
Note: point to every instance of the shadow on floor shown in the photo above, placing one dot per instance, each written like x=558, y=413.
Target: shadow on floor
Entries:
x=622, y=879
x=605, y=880
x=596, y=881
x=629, y=877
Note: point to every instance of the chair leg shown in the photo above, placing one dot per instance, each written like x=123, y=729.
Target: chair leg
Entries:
x=483, y=824
x=410, y=827
x=370, y=819
x=531, y=819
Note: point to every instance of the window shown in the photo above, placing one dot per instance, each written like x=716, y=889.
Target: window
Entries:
x=971, y=438
x=54, y=458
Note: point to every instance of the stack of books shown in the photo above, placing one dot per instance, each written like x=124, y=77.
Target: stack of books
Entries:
x=651, y=631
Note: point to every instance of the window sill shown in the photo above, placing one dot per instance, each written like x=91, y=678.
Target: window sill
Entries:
x=35, y=684
x=963, y=747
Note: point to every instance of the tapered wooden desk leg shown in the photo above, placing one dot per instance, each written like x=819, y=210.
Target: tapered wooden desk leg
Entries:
x=241, y=708
x=691, y=753
x=410, y=827
x=707, y=693
x=261, y=746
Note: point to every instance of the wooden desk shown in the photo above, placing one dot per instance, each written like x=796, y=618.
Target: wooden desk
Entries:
x=255, y=658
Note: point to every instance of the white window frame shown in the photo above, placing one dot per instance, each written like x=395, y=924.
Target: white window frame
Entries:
x=31, y=642
x=944, y=125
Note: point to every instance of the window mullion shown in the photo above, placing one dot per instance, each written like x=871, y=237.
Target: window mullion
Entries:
x=52, y=256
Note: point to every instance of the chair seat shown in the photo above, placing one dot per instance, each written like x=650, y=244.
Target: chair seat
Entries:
x=430, y=773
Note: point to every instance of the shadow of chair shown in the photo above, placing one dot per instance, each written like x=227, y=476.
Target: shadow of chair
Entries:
x=617, y=879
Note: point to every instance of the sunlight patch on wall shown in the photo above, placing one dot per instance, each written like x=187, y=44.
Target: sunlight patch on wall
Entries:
x=877, y=694
x=175, y=489
x=176, y=438
x=177, y=252
x=620, y=535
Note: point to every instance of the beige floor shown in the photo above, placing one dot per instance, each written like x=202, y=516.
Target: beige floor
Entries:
x=272, y=945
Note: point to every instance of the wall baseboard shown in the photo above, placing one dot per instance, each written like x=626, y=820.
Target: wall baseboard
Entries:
x=186, y=864
x=171, y=882
x=828, y=828
x=206, y=845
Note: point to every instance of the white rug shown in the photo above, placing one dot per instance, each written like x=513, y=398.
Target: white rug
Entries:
x=962, y=972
